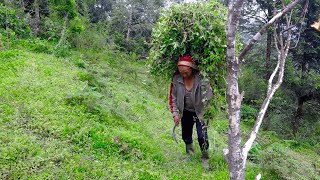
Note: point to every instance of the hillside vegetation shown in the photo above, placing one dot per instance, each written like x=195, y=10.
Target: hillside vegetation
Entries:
x=95, y=115
x=78, y=101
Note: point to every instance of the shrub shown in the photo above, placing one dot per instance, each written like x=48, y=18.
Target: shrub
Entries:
x=40, y=46
x=248, y=112
x=50, y=29
x=9, y=21
x=63, y=50
x=76, y=26
x=88, y=37
x=280, y=162
x=253, y=86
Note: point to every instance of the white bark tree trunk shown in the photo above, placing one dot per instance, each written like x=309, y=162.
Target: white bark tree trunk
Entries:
x=64, y=28
x=235, y=155
x=129, y=25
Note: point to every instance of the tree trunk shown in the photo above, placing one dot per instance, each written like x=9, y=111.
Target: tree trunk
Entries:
x=36, y=24
x=233, y=154
x=63, y=31
x=299, y=112
x=269, y=41
x=297, y=117
x=129, y=26
x=268, y=55
x=268, y=61
x=301, y=99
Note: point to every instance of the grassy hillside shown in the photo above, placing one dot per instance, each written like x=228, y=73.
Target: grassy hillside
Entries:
x=100, y=115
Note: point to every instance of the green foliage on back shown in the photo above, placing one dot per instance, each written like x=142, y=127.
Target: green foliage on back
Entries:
x=195, y=29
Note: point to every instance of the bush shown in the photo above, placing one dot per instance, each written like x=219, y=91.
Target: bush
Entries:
x=50, y=29
x=253, y=86
x=40, y=46
x=247, y=112
x=63, y=50
x=280, y=162
x=76, y=26
x=89, y=37
x=9, y=21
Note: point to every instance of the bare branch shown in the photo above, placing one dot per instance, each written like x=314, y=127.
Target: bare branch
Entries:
x=282, y=55
x=305, y=9
x=258, y=177
x=266, y=14
x=63, y=31
x=276, y=39
x=256, y=37
x=258, y=18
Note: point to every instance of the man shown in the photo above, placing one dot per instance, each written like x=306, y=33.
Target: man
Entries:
x=188, y=95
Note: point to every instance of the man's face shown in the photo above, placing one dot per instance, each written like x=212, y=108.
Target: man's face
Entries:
x=185, y=71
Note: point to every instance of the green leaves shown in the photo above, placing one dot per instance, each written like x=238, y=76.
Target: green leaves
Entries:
x=11, y=23
x=195, y=29
x=66, y=7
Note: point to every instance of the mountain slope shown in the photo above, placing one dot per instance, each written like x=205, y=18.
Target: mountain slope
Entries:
x=100, y=115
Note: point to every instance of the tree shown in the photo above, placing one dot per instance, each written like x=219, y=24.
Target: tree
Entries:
x=130, y=21
x=33, y=10
x=67, y=10
x=254, y=15
x=134, y=20
x=36, y=24
x=267, y=7
x=306, y=66
x=236, y=155
x=100, y=10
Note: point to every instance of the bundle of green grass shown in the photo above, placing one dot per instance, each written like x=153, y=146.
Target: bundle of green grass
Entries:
x=195, y=29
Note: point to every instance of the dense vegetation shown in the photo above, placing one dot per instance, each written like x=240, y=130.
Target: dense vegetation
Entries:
x=77, y=99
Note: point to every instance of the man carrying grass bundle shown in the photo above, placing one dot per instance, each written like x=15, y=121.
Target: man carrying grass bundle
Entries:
x=189, y=41
x=186, y=94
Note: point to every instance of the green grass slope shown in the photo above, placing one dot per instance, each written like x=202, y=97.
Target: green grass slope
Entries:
x=99, y=115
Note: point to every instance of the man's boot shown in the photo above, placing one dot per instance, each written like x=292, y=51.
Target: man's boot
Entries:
x=205, y=159
x=189, y=149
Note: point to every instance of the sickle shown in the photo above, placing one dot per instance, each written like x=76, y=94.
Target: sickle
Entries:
x=174, y=134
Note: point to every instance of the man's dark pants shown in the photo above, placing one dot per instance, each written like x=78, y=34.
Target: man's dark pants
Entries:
x=187, y=122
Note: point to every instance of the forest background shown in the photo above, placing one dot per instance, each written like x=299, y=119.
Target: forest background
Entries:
x=78, y=100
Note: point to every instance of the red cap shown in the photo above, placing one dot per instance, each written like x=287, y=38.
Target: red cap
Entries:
x=187, y=61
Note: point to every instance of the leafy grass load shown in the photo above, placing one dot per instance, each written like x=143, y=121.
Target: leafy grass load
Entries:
x=196, y=29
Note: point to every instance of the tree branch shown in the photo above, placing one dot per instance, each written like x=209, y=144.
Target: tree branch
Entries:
x=282, y=55
x=305, y=9
x=63, y=31
x=257, y=36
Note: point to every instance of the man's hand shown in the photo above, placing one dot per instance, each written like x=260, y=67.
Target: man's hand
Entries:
x=176, y=120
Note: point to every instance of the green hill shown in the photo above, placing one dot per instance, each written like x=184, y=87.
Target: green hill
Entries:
x=99, y=115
